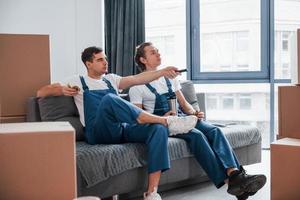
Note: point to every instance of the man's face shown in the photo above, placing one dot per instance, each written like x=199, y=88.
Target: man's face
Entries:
x=152, y=57
x=99, y=64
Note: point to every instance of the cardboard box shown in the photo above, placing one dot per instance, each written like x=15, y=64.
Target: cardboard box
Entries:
x=285, y=169
x=289, y=111
x=37, y=161
x=26, y=58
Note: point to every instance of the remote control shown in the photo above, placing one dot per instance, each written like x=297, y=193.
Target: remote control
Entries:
x=182, y=70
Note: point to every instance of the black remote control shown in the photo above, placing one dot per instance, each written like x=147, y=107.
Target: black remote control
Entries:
x=182, y=70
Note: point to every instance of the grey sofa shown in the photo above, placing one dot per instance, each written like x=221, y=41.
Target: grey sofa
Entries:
x=107, y=170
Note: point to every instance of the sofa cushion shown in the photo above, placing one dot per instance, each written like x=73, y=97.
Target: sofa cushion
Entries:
x=61, y=108
x=188, y=91
x=75, y=122
x=99, y=162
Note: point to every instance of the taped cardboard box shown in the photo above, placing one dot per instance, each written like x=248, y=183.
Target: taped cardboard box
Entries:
x=37, y=161
x=289, y=111
x=285, y=165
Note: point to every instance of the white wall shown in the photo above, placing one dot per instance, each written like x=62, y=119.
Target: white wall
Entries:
x=71, y=24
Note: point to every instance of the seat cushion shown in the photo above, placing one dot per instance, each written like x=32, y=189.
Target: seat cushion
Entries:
x=100, y=162
x=241, y=135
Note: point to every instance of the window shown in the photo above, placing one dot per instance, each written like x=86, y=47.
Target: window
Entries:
x=242, y=67
x=239, y=103
x=285, y=53
x=242, y=41
x=286, y=23
x=229, y=41
x=230, y=44
x=227, y=102
x=211, y=102
x=225, y=52
x=285, y=70
x=245, y=101
x=167, y=34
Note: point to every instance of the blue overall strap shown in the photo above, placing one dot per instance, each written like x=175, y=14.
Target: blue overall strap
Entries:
x=169, y=84
x=152, y=89
x=109, y=85
x=84, y=86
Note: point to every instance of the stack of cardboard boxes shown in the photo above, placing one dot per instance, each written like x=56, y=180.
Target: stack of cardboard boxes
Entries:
x=285, y=152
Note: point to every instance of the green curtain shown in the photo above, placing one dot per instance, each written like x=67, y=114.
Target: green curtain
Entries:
x=124, y=30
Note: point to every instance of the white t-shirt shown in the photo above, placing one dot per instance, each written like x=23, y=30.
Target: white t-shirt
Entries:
x=93, y=84
x=140, y=94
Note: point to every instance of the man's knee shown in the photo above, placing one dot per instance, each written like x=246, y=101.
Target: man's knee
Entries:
x=110, y=98
x=196, y=134
x=218, y=131
x=160, y=130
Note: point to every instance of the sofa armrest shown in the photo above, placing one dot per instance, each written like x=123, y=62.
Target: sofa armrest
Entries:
x=32, y=110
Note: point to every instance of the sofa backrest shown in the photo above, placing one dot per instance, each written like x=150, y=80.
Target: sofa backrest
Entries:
x=63, y=108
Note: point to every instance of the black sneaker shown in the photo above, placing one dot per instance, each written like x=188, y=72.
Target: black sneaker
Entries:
x=245, y=195
x=240, y=182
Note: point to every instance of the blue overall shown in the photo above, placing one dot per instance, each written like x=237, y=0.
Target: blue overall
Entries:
x=206, y=142
x=110, y=119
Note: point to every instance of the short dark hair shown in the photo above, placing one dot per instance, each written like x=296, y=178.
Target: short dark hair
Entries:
x=140, y=53
x=88, y=54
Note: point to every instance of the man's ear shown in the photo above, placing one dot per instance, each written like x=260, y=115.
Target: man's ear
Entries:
x=88, y=64
x=143, y=60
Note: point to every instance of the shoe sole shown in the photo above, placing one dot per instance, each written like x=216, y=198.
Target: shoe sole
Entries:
x=243, y=197
x=252, y=186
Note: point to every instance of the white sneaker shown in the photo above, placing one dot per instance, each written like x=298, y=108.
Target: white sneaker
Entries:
x=179, y=125
x=152, y=196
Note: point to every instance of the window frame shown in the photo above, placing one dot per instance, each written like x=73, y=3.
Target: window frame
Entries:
x=193, y=50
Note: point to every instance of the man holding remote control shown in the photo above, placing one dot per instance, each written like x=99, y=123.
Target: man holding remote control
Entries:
x=206, y=142
x=109, y=119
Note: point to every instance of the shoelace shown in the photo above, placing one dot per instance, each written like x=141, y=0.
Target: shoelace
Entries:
x=243, y=171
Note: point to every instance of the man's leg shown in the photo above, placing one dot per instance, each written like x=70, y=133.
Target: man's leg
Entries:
x=120, y=110
x=240, y=183
x=206, y=157
x=117, y=110
x=220, y=145
x=155, y=136
x=153, y=181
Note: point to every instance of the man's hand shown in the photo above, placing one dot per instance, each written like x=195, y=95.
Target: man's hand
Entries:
x=199, y=114
x=70, y=91
x=170, y=72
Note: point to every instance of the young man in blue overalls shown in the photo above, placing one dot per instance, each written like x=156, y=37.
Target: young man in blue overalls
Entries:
x=207, y=142
x=108, y=119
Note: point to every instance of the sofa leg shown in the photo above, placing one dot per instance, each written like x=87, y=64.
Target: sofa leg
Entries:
x=115, y=197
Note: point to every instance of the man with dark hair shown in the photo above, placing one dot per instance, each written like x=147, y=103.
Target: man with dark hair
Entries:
x=108, y=119
x=88, y=54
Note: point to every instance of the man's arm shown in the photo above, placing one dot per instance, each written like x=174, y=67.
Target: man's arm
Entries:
x=147, y=77
x=56, y=89
x=187, y=107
